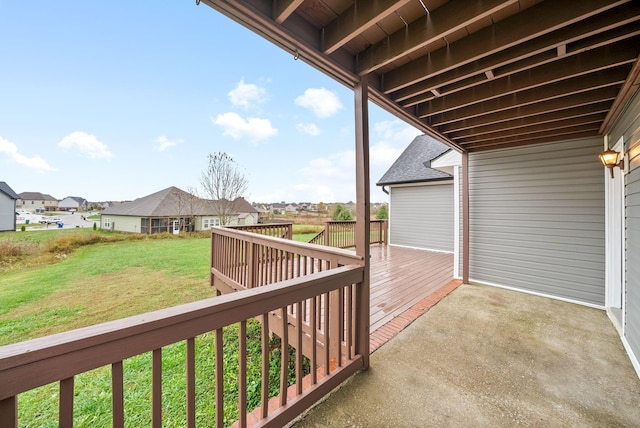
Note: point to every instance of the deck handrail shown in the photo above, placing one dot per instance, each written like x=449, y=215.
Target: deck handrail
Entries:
x=241, y=260
x=28, y=365
x=341, y=233
x=278, y=230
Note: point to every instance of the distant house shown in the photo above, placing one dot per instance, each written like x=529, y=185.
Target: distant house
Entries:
x=423, y=192
x=8, y=200
x=73, y=203
x=173, y=210
x=36, y=202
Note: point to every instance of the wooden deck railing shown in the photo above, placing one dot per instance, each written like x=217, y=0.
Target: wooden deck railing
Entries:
x=59, y=358
x=242, y=260
x=341, y=234
x=278, y=230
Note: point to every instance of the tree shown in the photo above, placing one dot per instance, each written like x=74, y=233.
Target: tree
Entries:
x=382, y=214
x=341, y=213
x=321, y=207
x=223, y=183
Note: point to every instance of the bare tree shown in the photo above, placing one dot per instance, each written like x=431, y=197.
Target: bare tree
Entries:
x=223, y=183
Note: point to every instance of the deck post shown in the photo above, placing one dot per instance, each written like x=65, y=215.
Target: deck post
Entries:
x=9, y=412
x=363, y=215
x=465, y=217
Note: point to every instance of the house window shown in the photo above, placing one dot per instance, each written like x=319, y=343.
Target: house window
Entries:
x=210, y=222
x=107, y=223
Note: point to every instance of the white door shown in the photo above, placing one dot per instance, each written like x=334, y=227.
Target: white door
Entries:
x=615, y=276
x=176, y=227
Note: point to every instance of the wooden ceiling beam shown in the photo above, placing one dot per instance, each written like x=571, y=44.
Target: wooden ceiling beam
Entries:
x=443, y=21
x=553, y=138
x=282, y=9
x=625, y=15
x=533, y=129
x=629, y=88
x=602, y=95
x=565, y=88
x=566, y=68
x=536, y=21
x=463, y=131
x=360, y=16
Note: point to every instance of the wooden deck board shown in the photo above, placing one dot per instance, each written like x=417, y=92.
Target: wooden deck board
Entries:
x=401, y=277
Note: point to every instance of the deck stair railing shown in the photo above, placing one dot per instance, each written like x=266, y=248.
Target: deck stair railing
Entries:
x=341, y=234
x=242, y=260
x=60, y=358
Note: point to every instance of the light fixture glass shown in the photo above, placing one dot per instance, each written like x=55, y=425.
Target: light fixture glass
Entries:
x=609, y=158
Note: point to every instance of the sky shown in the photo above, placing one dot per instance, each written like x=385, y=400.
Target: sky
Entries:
x=117, y=100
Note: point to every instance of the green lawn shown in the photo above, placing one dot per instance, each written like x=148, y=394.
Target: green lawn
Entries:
x=70, y=279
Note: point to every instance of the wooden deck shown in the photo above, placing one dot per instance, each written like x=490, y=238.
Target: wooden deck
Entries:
x=401, y=277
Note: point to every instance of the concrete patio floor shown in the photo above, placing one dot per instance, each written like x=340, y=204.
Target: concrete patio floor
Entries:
x=485, y=356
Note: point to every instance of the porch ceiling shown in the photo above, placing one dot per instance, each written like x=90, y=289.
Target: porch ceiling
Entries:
x=476, y=74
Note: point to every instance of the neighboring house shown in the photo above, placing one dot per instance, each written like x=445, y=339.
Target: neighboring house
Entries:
x=8, y=200
x=424, y=208
x=172, y=210
x=73, y=203
x=36, y=202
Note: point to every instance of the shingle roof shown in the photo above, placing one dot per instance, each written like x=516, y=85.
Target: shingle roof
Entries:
x=412, y=166
x=4, y=188
x=36, y=196
x=172, y=202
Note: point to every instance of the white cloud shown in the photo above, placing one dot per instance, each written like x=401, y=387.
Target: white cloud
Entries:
x=35, y=162
x=252, y=128
x=322, y=102
x=389, y=140
x=246, y=95
x=163, y=143
x=308, y=128
x=86, y=144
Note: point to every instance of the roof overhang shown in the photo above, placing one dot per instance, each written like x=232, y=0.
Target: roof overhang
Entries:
x=476, y=75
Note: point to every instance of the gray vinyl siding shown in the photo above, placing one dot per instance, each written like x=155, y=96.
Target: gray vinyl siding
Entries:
x=422, y=216
x=628, y=126
x=537, y=219
x=7, y=213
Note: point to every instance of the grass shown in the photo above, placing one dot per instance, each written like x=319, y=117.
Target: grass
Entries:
x=58, y=280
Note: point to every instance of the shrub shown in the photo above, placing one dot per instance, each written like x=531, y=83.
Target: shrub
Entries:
x=23, y=228
x=382, y=214
x=95, y=227
x=341, y=213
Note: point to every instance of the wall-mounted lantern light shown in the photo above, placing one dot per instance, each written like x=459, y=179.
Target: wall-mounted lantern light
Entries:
x=609, y=159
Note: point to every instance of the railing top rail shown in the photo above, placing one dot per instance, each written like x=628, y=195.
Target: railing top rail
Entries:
x=302, y=248
x=37, y=362
x=248, y=226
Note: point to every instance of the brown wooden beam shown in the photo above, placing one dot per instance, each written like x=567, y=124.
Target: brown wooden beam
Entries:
x=360, y=16
x=538, y=119
x=282, y=9
x=536, y=21
x=561, y=89
x=541, y=140
x=363, y=214
x=551, y=138
x=558, y=71
x=608, y=25
x=537, y=129
x=452, y=16
x=630, y=87
x=599, y=97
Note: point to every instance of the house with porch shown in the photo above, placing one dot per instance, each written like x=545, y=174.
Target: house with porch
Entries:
x=37, y=202
x=528, y=93
x=173, y=210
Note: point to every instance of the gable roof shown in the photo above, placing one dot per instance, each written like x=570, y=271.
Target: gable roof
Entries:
x=172, y=202
x=413, y=165
x=36, y=196
x=4, y=188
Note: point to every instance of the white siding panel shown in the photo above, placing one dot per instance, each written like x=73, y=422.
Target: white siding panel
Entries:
x=537, y=219
x=628, y=127
x=422, y=216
